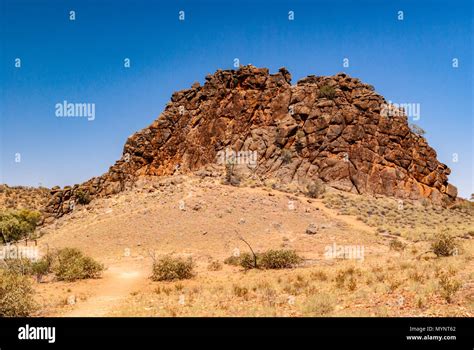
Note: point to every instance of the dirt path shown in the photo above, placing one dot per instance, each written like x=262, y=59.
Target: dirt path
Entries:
x=117, y=283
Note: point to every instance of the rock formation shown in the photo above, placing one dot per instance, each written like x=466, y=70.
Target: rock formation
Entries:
x=333, y=128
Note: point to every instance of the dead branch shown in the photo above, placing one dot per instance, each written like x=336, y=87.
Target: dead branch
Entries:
x=253, y=253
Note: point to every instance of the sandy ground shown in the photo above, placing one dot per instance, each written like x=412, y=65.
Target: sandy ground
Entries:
x=201, y=219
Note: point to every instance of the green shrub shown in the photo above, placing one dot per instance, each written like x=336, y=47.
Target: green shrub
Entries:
x=271, y=259
x=327, y=91
x=444, y=245
x=247, y=261
x=16, y=295
x=279, y=259
x=71, y=265
x=17, y=224
x=83, y=197
x=171, y=269
x=43, y=266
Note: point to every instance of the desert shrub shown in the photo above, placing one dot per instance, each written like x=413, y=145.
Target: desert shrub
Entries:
x=83, y=197
x=347, y=278
x=270, y=259
x=21, y=266
x=448, y=286
x=444, y=245
x=327, y=91
x=393, y=283
x=214, y=266
x=171, y=269
x=17, y=224
x=417, y=276
x=279, y=259
x=286, y=156
x=299, y=145
x=43, y=266
x=395, y=244
x=318, y=305
x=232, y=260
x=71, y=265
x=247, y=261
x=240, y=292
x=319, y=275
x=16, y=295
x=315, y=188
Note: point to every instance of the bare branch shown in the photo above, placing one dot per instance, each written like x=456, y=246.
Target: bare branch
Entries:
x=253, y=253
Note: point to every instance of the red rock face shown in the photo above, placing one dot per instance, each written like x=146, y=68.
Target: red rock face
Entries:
x=332, y=128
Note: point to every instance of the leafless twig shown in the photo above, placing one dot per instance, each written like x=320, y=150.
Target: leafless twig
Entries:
x=253, y=253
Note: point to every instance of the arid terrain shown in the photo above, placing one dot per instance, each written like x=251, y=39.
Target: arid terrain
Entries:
x=250, y=196
x=127, y=230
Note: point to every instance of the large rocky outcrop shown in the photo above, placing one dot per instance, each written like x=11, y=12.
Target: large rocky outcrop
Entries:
x=333, y=128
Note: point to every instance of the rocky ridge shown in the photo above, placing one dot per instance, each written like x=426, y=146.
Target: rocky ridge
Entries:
x=335, y=128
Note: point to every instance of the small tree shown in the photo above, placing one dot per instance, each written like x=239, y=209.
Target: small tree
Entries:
x=17, y=224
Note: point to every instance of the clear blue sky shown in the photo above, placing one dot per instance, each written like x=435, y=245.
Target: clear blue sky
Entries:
x=407, y=61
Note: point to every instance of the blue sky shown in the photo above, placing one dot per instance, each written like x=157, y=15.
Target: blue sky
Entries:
x=407, y=61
